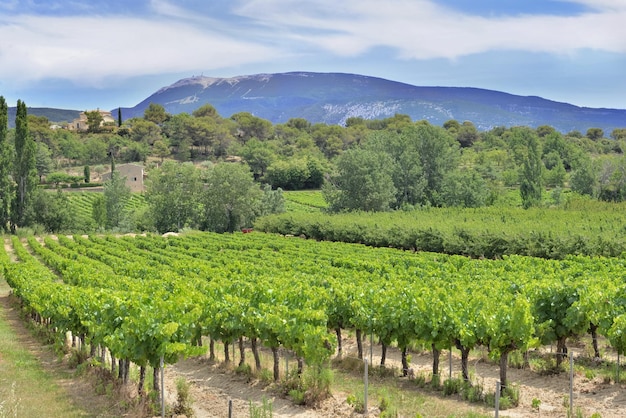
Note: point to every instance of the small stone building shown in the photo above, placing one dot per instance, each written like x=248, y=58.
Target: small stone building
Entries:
x=133, y=173
x=80, y=124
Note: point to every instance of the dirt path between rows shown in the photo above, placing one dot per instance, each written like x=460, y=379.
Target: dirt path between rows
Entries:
x=212, y=386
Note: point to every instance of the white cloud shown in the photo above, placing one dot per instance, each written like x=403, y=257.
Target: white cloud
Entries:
x=602, y=5
x=90, y=49
x=173, y=39
x=421, y=29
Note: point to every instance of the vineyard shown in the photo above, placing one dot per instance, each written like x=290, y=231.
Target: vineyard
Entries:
x=82, y=202
x=580, y=227
x=148, y=298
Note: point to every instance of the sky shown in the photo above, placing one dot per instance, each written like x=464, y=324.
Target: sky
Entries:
x=103, y=54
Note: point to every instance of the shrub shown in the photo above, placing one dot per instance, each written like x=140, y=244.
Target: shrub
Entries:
x=452, y=386
x=265, y=410
x=435, y=382
x=535, y=404
x=508, y=399
x=244, y=369
x=183, y=398
x=420, y=380
x=356, y=402
x=298, y=396
x=472, y=392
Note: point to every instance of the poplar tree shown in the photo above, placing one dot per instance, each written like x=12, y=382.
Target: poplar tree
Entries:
x=6, y=191
x=25, y=172
x=531, y=174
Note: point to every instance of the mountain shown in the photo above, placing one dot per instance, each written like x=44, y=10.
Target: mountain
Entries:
x=333, y=97
x=53, y=115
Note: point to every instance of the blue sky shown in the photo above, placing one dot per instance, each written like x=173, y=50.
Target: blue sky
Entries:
x=103, y=54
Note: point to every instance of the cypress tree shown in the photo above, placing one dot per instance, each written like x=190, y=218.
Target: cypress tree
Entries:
x=119, y=117
x=6, y=190
x=25, y=172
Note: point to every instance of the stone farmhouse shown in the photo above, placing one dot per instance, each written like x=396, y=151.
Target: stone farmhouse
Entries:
x=134, y=176
x=80, y=124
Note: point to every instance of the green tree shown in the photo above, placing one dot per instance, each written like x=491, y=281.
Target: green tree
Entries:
x=116, y=194
x=595, y=134
x=258, y=155
x=439, y=155
x=555, y=177
x=407, y=171
x=618, y=134
x=206, y=111
x=70, y=146
x=330, y=139
x=94, y=121
x=545, y=130
x=87, y=174
x=155, y=113
x=6, y=187
x=173, y=196
x=452, y=126
x=161, y=149
x=531, y=184
x=94, y=149
x=59, y=177
x=43, y=160
x=467, y=134
x=251, y=126
x=25, y=172
x=272, y=201
x=39, y=128
x=231, y=198
x=291, y=174
x=464, y=188
x=52, y=211
x=99, y=211
x=363, y=182
x=202, y=132
x=145, y=131
x=136, y=151
x=583, y=179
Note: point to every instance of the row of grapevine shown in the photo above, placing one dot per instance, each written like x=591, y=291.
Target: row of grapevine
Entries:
x=147, y=296
x=82, y=202
x=488, y=232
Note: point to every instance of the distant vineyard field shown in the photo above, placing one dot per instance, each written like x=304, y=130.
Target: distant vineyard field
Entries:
x=580, y=226
x=304, y=201
x=82, y=202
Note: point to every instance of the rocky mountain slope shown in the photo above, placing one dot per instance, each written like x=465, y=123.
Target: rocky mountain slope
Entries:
x=333, y=97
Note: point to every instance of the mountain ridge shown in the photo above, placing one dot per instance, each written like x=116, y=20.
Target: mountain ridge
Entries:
x=333, y=97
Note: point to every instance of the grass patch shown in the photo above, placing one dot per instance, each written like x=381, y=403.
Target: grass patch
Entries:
x=26, y=389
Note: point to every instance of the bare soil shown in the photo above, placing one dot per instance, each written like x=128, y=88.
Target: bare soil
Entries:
x=212, y=386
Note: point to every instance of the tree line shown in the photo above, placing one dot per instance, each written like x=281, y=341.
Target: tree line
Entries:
x=373, y=165
x=18, y=176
